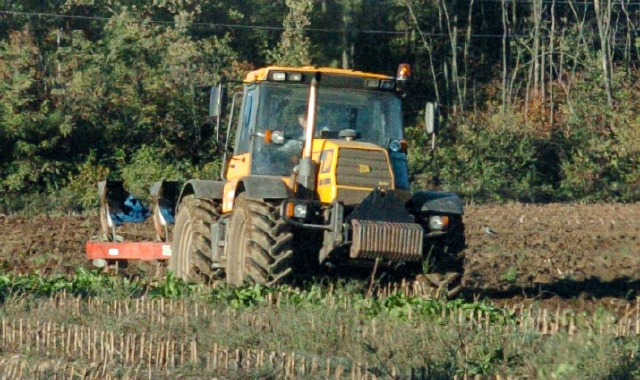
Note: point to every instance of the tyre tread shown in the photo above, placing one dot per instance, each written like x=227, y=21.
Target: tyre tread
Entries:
x=201, y=214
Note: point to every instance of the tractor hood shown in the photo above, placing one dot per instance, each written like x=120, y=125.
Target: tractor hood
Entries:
x=349, y=170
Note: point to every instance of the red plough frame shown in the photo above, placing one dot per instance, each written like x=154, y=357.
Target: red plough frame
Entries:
x=146, y=251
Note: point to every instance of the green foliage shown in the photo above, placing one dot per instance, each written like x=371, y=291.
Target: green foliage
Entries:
x=171, y=287
x=293, y=48
x=93, y=283
x=76, y=109
x=149, y=165
x=241, y=297
x=84, y=183
x=31, y=128
x=123, y=95
x=602, y=149
x=482, y=164
x=96, y=283
x=510, y=275
x=592, y=154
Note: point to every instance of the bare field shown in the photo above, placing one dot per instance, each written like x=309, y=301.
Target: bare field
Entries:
x=563, y=255
x=570, y=254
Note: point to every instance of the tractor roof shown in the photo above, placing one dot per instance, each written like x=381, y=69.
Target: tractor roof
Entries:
x=262, y=74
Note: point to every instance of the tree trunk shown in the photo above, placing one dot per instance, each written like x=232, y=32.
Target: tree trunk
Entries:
x=505, y=69
x=537, y=20
x=603, y=19
x=467, y=43
x=452, y=29
x=551, y=64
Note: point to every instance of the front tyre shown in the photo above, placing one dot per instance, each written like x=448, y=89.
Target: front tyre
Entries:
x=259, y=248
x=191, y=258
x=443, y=265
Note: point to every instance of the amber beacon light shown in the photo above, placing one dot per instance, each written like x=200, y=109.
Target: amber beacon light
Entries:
x=404, y=72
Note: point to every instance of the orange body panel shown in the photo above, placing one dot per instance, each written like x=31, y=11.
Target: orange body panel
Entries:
x=238, y=166
x=229, y=196
x=146, y=251
x=326, y=153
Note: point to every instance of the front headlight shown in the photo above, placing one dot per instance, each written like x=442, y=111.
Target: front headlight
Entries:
x=438, y=222
x=398, y=146
x=277, y=137
x=300, y=211
x=295, y=210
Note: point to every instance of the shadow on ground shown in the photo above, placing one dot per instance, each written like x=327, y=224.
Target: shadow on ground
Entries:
x=593, y=287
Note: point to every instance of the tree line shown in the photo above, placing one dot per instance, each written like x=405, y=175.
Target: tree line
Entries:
x=538, y=97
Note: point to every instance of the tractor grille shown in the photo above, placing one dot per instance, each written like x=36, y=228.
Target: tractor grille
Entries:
x=362, y=168
x=385, y=240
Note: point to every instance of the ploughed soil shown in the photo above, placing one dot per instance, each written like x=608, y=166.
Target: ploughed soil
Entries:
x=561, y=255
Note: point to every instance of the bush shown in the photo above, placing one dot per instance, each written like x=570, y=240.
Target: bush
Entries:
x=603, y=146
x=483, y=164
x=590, y=153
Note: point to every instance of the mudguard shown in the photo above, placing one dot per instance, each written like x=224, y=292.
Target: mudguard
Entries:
x=436, y=201
x=202, y=189
x=266, y=187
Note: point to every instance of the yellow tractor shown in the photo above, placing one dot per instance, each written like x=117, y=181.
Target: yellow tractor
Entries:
x=318, y=175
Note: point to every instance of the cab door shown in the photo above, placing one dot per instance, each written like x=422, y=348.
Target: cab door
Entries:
x=240, y=164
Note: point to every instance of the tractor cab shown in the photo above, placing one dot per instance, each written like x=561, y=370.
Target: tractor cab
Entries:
x=273, y=124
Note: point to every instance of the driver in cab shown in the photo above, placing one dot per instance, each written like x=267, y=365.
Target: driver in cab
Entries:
x=295, y=138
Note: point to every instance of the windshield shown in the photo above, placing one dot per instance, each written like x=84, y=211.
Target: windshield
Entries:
x=376, y=117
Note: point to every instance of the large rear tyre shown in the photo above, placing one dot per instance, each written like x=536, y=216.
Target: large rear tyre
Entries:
x=191, y=258
x=259, y=248
x=443, y=265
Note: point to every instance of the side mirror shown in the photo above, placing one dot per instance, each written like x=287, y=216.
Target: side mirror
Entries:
x=431, y=118
x=215, y=101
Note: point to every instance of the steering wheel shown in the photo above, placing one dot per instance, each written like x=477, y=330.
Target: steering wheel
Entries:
x=349, y=134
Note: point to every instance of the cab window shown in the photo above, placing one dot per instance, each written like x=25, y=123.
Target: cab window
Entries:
x=244, y=133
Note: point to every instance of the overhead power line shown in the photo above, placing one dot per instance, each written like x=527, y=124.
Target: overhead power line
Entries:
x=212, y=25
x=200, y=24
x=250, y=27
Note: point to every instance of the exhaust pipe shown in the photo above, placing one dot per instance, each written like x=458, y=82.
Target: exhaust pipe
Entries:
x=307, y=175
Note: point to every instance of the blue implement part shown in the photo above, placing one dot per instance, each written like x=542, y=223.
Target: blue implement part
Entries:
x=131, y=211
